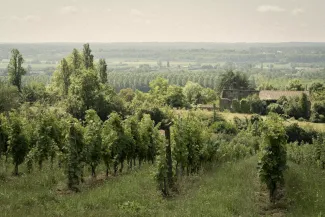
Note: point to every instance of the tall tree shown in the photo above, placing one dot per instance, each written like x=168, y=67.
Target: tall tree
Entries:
x=66, y=73
x=15, y=68
x=17, y=140
x=88, y=57
x=295, y=85
x=102, y=71
x=231, y=80
x=76, y=59
x=273, y=157
x=9, y=97
x=93, y=140
x=75, y=146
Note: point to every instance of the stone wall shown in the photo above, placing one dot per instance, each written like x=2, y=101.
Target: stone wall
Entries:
x=228, y=95
x=238, y=94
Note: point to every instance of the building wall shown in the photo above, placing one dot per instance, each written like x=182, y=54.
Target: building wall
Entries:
x=238, y=94
x=225, y=104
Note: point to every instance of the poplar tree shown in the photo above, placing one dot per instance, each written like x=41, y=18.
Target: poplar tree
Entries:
x=102, y=71
x=15, y=68
x=88, y=58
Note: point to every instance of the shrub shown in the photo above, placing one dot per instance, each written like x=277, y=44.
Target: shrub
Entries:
x=282, y=100
x=235, y=105
x=257, y=106
x=275, y=108
x=244, y=106
x=319, y=107
x=241, y=146
x=224, y=127
x=317, y=118
x=241, y=124
x=273, y=157
x=293, y=108
x=304, y=106
x=298, y=134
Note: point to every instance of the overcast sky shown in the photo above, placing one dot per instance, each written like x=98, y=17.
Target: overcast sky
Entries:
x=162, y=20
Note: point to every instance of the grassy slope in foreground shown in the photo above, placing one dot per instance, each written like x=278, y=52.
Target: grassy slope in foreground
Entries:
x=305, y=191
x=226, y=190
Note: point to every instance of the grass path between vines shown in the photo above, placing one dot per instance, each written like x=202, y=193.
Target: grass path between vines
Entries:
x=305, y=191
x=227, y=190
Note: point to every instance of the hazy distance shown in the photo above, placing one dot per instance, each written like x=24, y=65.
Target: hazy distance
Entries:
x=162, y=20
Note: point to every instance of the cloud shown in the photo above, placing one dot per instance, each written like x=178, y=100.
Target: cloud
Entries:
x=69, y=9
x=270, y=8
x=138, y=16
x=297, y=11
x=136, y=13
x=28, y=18
x=32, y=18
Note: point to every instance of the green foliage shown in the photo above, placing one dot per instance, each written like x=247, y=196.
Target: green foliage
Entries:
x=209, y=95
x=312, y=154
x=305, y=106
x=297, y=107
x=242, y=145
x=257, y=106
x=255, y=126
x=175, y=96
x=316, y=87
x=45, y=137
x=76, y=59
x=193, y=93
x=267, y=86
x=15, y=69
x=127, y=94
x=3, y=136
x=272, y=162
x=190, y=137
x=224, y=127
x=114, y=142
x=34, y=92
x=17, y=140
x=241, y=123
x=159, y=86
x=318, y=112
x=75, y=154
x=62, y=78
x=88, y=58
x=9, y=97
x=102, y=71
x=282, y=100
x=275, y=108
x=231, y=80
x=244, y=106
x=87, y=93
x=133, y=134
x=235, y=105
x=92, y=140
x=295, y=85
x=300, y=135
x=158, y=89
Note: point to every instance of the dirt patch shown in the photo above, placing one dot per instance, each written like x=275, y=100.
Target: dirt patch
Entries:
x=276, y=209
x=89, y=183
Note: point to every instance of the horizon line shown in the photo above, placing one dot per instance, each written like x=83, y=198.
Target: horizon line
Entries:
x=139, y=42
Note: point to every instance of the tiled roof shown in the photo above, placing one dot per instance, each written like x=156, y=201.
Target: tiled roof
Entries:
x=276, y=94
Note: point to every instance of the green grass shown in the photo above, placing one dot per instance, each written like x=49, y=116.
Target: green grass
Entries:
x=320, y=127
x=34, y=66
x=305, y=191
x=226, y=190
x=229, y=189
